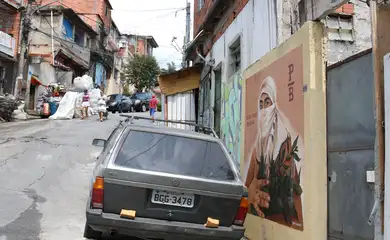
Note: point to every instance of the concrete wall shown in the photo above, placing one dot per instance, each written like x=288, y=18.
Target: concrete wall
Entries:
x=46, y=74
x=309, y=39
x=255, y=25
x=338, y=50
x=288, y=23
x=41, y=42
x=113, y=86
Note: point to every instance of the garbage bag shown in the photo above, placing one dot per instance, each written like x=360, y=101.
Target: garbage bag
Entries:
x=82, y=83
x=66, y=108
x=19, y=113
x=94, y=96
x=78, y=107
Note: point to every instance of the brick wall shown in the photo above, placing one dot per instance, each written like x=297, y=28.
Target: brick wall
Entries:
x=88, y=8
x=346, y=9
x=14, y=31
x=141, y=47
x=199, y=16
x=10, y=23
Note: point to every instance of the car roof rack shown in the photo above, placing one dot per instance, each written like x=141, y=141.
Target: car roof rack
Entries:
x=198, y=127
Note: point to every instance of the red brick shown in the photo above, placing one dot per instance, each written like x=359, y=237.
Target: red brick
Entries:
x=199, y=17
x=89, y=8
x=348, y=8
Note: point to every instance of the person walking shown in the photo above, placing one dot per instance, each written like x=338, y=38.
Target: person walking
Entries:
x=153, y=106
x=102, y=107
x=85, y=105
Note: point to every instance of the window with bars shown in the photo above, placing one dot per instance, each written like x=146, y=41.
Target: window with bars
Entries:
x=235, y=57
x=340, y=27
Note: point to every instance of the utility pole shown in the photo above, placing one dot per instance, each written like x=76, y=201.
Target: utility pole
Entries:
x=188, y=33
x=25, y=30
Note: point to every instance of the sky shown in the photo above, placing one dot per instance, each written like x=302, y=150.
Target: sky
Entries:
x=163, y=19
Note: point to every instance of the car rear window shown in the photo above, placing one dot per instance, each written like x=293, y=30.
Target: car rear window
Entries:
x=174, y=154
x=113, y=97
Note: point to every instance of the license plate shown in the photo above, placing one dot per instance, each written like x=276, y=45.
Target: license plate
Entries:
x=173, y=199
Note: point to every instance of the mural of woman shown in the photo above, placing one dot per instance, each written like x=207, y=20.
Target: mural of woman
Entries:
x=274, y=172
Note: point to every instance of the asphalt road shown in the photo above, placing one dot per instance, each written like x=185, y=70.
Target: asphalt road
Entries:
x=45, y=167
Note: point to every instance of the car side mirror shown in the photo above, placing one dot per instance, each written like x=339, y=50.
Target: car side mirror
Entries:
x=99, y=142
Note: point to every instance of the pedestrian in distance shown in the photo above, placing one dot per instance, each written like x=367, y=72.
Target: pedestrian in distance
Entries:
x=85, y=105
x=102, y=108
x=153, y=106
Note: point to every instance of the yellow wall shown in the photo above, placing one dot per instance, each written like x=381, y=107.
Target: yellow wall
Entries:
x=310, y=37
x=112, y=86
x=180, y=81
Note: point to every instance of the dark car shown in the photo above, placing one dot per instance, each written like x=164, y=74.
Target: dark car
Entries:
x=171, y=180
x=141, y=101
x=119, y=103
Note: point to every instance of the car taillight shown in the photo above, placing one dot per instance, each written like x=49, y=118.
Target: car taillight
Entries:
x=98, y=193
x=242, y=211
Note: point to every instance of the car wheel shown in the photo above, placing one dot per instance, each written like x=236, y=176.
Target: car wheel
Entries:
x=120, y=109
x=143, y=108
x=113, y=111
x=89, y=233
x=132, y=109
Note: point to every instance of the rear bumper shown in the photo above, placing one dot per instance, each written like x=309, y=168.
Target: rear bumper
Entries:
x=112, y=108
x=151, y=228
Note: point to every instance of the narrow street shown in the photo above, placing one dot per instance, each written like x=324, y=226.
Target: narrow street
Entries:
x=45, y=167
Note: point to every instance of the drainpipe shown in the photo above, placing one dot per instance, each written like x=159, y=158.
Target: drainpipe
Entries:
x=52, y=35
x=200, y=55
x=210, y=63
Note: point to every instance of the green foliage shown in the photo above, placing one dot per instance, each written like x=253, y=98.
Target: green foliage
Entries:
x=126, y=90
x=171, y=67
x=282, y=185
x=159, y=107
x=141, y=72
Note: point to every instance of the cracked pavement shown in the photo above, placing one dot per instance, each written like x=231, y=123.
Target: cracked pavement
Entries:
x=45, y=166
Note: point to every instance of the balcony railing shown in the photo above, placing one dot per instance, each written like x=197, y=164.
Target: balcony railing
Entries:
x=7, y=44
x=80, y=55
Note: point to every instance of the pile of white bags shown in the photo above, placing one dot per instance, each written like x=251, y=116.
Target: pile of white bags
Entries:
x=70, y=105
x=66, y=108
x=82, y=83
x=78, y=107
x=94, y=96
x=20, y=114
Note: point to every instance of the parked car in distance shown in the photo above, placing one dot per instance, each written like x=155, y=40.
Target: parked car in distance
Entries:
x=171, y=180
x=119, y=103
x=141, y=101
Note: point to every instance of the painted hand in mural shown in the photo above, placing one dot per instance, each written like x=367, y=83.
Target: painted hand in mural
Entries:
x=257, y=198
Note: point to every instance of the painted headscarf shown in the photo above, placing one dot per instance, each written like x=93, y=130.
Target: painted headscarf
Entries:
x=271, y=123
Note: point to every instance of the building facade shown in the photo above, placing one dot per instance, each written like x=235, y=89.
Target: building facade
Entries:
x=133, y=44
x=230, y=36
x=60, y=55
x=114, y=46
x=9, y=43
x=97, y=14
x=348, y=27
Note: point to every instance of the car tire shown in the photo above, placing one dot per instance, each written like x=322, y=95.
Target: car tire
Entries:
x=113, y=111
x=89, y=233
x=120, y=109
x=132, y=109
x=143, y=108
